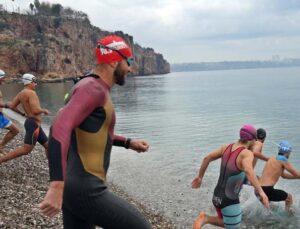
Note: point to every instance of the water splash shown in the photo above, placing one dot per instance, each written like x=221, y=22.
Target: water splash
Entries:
x=256, y=216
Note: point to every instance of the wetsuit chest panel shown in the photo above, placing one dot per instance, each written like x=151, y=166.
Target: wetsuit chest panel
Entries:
x=94, y=146
x=228, y=166
x=94, y=122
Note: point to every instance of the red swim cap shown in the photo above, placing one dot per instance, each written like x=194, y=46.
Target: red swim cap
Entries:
x=112, y=49
x=248, y=132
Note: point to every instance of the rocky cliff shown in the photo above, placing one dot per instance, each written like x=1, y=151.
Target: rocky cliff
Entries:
x=60, y=47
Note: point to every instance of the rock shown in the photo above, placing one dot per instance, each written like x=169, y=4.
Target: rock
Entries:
x=31, y=43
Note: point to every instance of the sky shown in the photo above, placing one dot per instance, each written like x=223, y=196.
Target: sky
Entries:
x=186, y=31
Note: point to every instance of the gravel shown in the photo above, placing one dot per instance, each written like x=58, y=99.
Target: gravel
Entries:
x=24, y=182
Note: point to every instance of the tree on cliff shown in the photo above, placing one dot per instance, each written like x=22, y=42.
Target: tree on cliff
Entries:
x=45, y=8
x=55, y=9
x=31, y=6
x=37, y=4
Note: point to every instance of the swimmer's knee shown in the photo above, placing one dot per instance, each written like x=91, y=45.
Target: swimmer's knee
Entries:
x=13, y=129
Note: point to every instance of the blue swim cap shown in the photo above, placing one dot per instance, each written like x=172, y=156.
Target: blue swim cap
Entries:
x=284, y=147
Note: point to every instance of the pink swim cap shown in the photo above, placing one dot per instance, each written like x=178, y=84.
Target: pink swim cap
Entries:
x=112, y=49
x=248, y=132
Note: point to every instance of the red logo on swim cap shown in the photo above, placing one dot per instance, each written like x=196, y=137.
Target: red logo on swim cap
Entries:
x=105, y=50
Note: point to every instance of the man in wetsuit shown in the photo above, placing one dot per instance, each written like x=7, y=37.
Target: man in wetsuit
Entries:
x=80, y=143
x=33, y=111
x=236, y=163
x=274, y=168
x=5, y=123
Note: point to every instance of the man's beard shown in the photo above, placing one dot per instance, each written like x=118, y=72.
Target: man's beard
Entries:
x=119, y=76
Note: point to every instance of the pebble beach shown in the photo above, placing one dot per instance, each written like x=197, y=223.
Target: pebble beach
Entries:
x=24, y=182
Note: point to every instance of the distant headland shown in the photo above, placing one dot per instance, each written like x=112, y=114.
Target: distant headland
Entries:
x=228, y=65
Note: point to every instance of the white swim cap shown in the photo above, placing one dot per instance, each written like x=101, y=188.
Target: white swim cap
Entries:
x=2, y=74
x=28, y=78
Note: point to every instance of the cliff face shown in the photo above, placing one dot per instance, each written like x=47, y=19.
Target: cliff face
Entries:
x=57, y=47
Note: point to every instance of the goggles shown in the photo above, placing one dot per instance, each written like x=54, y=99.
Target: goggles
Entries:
x=129, y=60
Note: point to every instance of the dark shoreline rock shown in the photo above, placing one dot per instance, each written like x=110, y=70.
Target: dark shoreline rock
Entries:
x=24, y=183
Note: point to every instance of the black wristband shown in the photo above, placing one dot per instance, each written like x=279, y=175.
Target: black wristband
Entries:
x=23, y=114
x=6, y=105
x=127, y=143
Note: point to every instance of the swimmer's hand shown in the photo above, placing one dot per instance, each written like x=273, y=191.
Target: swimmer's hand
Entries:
x=6, y=105
x=45, y=111
x=196, y=183
x=139, y=145
x=264, y=199
x=52, y=203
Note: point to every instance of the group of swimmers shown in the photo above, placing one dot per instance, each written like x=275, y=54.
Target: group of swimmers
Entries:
x=80, y=142
x=237, y=168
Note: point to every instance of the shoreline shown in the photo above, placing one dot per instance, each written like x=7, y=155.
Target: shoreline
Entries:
x=24, y=183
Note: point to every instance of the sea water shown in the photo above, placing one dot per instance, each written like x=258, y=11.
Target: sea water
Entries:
x=186, y=115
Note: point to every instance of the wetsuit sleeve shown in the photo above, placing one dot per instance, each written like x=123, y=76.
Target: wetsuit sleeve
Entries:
x=84, y=100
x=119, y=141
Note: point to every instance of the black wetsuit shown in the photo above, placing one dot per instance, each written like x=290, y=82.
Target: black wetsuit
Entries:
x=80, y=143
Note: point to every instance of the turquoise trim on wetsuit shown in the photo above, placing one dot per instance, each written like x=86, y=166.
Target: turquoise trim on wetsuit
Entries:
x=281, y=158
x=232, y=216
x=234, y=184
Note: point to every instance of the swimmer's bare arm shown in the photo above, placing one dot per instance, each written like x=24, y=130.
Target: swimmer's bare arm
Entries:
x=3, y=105
x=260, y=156
x=247, y=159
x=214, y=155
x=287, y=175
x=35, y=104
x=292, y=172
x=257, y=151
x=14, y=105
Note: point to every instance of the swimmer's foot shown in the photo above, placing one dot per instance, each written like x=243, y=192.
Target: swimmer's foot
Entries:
x=291, y=212
x=200, y=221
